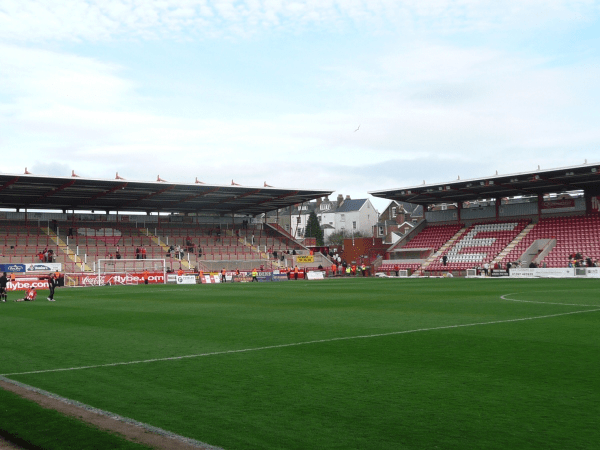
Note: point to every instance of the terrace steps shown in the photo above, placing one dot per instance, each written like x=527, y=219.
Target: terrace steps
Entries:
x=441, y=250
x=64, y=247
x=513, y=244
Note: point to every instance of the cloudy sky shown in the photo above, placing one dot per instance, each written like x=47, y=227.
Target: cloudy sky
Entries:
x=273, y=90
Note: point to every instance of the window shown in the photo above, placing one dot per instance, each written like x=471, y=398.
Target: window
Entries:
x=343, y=218
x=354, y=225
x=380, y=230
x=394, y=212
x=299, y=219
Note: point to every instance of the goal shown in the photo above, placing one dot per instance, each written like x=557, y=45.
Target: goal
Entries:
x=129, y=271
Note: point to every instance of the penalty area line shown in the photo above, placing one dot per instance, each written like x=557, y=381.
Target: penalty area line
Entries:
x=295, y=344
x=503, y=297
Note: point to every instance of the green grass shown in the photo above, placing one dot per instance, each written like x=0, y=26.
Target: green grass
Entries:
x=505, y=383
x=27, y=424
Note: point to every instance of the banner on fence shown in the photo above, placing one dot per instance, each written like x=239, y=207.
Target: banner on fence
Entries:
x=24, y=283
x=592, y=272
x=210, y=278
x=315, y=275
x=44, y=267
x=129, y=278
x=305, y=259
x=562, y=203
x=556, y=272
x=499, y=273
x=12, y=268
x=186, y=279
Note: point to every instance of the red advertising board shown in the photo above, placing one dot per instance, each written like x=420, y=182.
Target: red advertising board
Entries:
x=563, y=203
x=95, y=280
x=24, y=283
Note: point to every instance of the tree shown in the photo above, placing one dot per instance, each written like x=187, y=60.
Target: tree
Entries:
x=313, y=229
x=338, y=237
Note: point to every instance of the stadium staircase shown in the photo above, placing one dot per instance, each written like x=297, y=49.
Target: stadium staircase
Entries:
x=440, y=252
x=66, y=250
x=514, y=243
x=164, y=247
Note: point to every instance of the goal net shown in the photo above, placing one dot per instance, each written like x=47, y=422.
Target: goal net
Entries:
x=403, y=273
x=129, y=271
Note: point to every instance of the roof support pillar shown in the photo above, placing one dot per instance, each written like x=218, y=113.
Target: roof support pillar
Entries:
x=498, y=201
x=540, y=203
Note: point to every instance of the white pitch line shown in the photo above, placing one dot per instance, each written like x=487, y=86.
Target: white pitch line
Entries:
x=295, y=344
x=503, y=297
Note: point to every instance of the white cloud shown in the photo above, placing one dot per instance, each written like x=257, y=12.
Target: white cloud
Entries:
x=426, y=110
x=35, y=20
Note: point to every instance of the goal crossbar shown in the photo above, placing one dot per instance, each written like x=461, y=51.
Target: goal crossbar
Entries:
x=130, y=268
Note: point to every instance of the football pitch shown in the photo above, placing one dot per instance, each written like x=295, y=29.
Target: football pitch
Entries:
x=335, y=364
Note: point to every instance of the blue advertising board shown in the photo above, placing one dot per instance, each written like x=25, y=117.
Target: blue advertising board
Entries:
x=12, y=268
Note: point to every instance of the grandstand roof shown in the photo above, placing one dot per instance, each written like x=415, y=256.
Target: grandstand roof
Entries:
x=566, y=179
x=76, y=193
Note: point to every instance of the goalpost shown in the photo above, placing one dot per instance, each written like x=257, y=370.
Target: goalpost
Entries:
x=129, y=271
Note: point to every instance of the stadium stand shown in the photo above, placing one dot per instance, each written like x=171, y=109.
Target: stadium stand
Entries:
x=78, y=246
x=570, y=234
x=433, y=236
x=480, y=244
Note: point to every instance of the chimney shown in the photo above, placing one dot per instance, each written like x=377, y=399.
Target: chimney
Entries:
x=319, y=201
x=348, y=197
x=340, y=200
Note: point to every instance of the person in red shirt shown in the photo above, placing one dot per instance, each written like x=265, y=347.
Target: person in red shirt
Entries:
x=180, y=272
x=146, y=275
x=223, y=275
x=30, y=295
x=296, y=273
